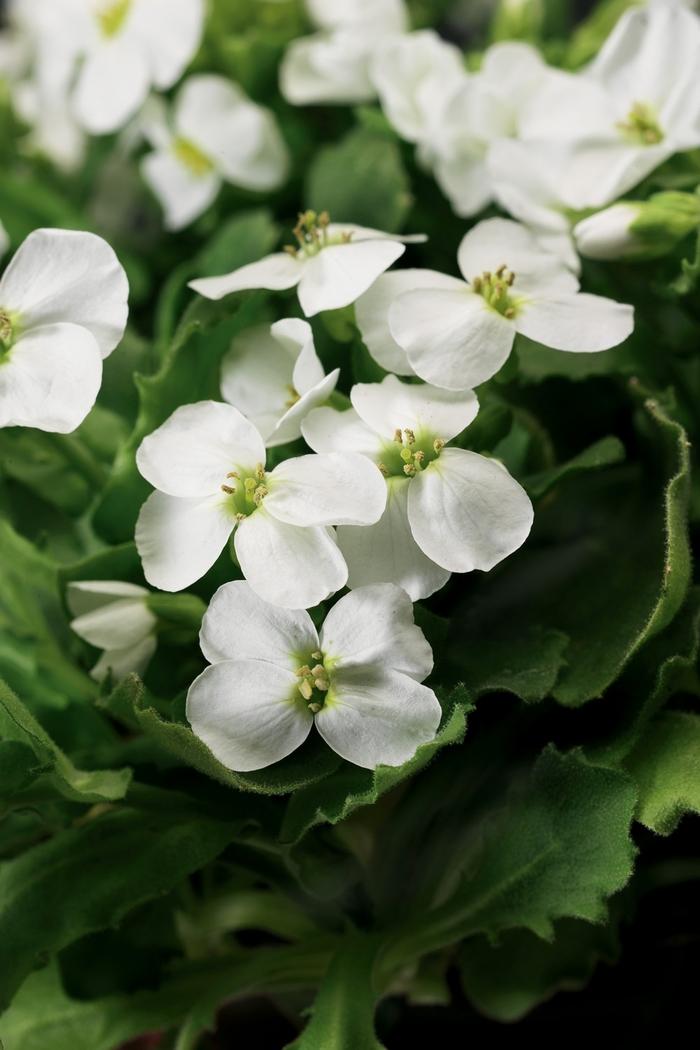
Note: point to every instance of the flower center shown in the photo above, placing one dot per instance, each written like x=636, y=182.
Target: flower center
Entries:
x=9, y=325
x=191, y=157
x=246, y=490
x=111, y=16
x=494, y=289
x=641, y=126
x=294, y=396
x=314, y=681
x=311, y=232
x=407, y=454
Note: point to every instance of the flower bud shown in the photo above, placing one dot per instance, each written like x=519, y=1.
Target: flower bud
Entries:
x=639, y=229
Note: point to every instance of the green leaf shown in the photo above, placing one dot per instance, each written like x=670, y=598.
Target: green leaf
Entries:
x=666, y=766
x=350, y=787
x=507, y=980
x=523, y=659
x=361, y=180
x=603, y=453
x=89, y=877
x=342, y=1016
x=58, y=772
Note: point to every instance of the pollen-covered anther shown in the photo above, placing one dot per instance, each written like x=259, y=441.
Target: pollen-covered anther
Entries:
x=228, y=490
x=306, y=689
x=438, y=445
x=318, y=655
x=259, y=494
x=409, y=436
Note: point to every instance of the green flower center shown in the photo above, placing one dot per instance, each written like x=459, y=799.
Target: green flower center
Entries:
x=314, y=680
x=495, y=290
x=191, y=157
x=245, y=490
x=409, y=453
x=112, y=16
x=9, y=331
x=311, y=232
x=641, y=126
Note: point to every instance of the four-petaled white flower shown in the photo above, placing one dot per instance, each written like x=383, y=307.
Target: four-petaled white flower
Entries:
x=448, y=510
x=273, y=675
x=333, y=264
x=63, y=307
x=207, y=464
x=114, y=616
x=458, y=334
x=272, y=374
x=216, y=135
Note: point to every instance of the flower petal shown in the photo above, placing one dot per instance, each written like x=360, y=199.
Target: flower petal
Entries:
x=374, y=625
x=169, y=33
x=133, y=659
x=276, y=272
x=392, y=405
x=197, y=446
x=387, y=552
x=330, y=430
x=466, y=511
x=112, y=84
x=452, y=338
x=339, y=274
x=327, y=67
x=50, y=379
x=502, y=242
x=326, y=489
x=180, y=539
x=246, y=713
x=289, y=426
x=377, y=717
x=298, y=337
x=582, y=323
x=257, y=376
x=68, y=276
x=83, y=596
x=116, y=625
x=372, y=313
x=239, y=625
x=287, y=565
x=183, y=194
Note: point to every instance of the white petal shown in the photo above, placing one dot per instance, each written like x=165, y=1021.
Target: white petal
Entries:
x=338, y=275
x=529, y=182
x=378, y=717
x=239, y=625
x=50, y=379
x=299, y=337
x=117, y=625
x=180, y=539
x=326, y=489
x=247, y=714
x=257, y=376
x=369, y=233
x=83, y=596
x=287, y=565
x=466, y=182
x=330, y=430
x=183, y=194
x=112, y=84
x=289, y=426
x=376, y=16
x=169, y=31
x=197, y=446
x=68, y=276
x=583, y=323
x=374, y=625
x=392, y=405
x=134, y=659
x=387, y=552
x=466, y=511
x=452, y=339
x=501, y=242
x=276, y=272
x=372, y=313
x=328, y=67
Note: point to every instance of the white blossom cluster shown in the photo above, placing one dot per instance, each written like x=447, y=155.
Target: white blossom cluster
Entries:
x=386, y=502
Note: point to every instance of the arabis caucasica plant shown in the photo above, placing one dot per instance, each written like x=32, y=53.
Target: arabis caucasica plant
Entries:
x=273, y=676
x=448, y=510
x=273, y=375
x=114, y=616
x=207, y=464
x=63, y=308
x=330, y=267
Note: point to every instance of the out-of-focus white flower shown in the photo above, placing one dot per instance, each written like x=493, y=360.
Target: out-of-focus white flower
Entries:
x=607, y=234
x=448, y=510
x=207, y=464
x=332, y=66
x=114, y=616
x=457, y=337
x=333, y=264
x=215, y=134
x=639, y=229
x=63, y=307
x=273, y=676
x=272, y=374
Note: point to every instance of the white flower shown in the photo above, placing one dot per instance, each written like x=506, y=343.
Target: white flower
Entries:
x=332, y=66
x=333, y=264
x=115, y=617
x=63, y=307
x=636, y=104
x=273, y=676
x=216, y=135
x=272, y=374
x=118, y=50
x=607, y=234
x=460, y=335
x=448, y=510
x=207, y=463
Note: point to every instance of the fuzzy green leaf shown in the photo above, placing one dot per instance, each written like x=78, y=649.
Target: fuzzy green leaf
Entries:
x=666, y=766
